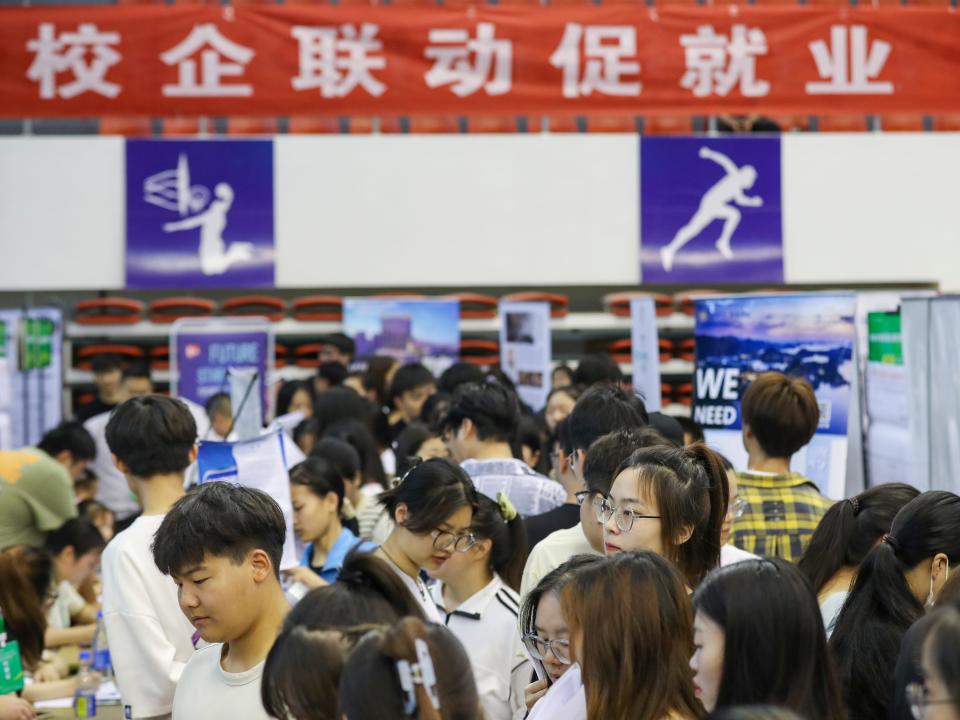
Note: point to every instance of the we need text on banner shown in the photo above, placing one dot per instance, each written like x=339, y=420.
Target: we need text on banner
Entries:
x=287, y=59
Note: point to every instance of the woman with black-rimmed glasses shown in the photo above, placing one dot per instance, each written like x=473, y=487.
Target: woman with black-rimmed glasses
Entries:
x=670, y=501
x=433, y=507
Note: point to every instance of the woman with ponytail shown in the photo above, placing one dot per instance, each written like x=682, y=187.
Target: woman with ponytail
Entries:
x=849, y=531
x=317, y=491
x=897, y=580
x=412, y=671
x=478, y=598
x=671, y=501
x=302, y=671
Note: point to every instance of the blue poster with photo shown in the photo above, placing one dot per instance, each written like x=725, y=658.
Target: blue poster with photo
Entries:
x=710, y=210
x=804, y=335
x=199, y=214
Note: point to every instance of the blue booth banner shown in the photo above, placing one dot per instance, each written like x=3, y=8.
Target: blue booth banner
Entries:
x=710, y=211
x=199, y=214
x=803, y=335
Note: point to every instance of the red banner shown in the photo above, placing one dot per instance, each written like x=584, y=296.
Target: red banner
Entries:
x=489, y=59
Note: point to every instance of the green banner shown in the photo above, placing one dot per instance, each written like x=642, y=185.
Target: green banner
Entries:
x=36, y=349
x=884, y=340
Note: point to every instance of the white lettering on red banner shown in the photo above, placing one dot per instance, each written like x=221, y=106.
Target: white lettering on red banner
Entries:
x=470, y=64
x=850, y=70
x=213, y=47
x=717, y=64
x=606, y=50
x=67, y=52
x=336, y=61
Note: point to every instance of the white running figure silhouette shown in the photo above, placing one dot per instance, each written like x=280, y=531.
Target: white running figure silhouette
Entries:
x=715, y=206
x=215, y=257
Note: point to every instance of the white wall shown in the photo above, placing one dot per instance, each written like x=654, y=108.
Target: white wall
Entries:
x=495, y=210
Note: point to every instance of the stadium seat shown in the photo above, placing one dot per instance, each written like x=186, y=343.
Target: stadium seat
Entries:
x=559, y=304
x=167, y=310
x=108, y=311
x=266, y=306
x=180, y=126
x=903, y=123
x=240, y=126
x=318, y=308
x=127, y=126
x=309, y=125
x=667, y=125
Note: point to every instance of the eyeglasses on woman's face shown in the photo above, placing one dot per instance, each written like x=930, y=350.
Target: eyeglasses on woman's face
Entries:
x=443, y=540
x=539, y=647
x=623, y=516
x=918, y=697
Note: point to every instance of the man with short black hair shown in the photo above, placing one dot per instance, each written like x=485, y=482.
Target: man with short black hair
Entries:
x=137, y=381
x=219, y=410
x=596, y=369
x=478, y=430
x=70, y=445
x=780, y=415
x=152, y=440
x=222, y=544
x=601, y=410
x=107, y=376
x=337, y=347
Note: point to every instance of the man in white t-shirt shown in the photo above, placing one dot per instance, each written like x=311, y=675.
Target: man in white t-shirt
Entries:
x=222, y=545
x=152, y=440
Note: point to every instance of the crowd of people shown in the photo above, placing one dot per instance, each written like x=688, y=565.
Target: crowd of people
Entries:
x=465, y=557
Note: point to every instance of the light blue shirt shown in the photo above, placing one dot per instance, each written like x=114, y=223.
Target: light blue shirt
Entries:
x=346, y=542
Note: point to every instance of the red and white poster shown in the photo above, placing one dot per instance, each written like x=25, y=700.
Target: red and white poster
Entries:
x=497, y=59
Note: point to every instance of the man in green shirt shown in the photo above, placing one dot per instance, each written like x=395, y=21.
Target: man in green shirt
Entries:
x=36, y=496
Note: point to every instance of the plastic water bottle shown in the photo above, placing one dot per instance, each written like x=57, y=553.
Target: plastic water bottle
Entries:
x=85, y=697
x=101, y=649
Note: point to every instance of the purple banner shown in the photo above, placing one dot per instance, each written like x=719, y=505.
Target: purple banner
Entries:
x=200, y=214
x=202, y=360
x=710, y=211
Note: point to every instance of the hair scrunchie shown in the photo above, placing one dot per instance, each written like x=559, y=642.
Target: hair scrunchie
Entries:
x=892, y=542
x=507, y=509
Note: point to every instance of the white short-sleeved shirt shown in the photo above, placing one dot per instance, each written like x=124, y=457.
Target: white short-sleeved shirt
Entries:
x=207, y=691
x=68, y=603
x=731, y=554
x=150, y=638
x=420, y=592
x=486, y=624
x=552, y=552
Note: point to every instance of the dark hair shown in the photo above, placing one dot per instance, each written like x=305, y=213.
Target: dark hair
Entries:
x=137, y=370
x=609, y=452
x=358, y=435
x=944, y=639
x=553, y=582
x=92, y=510
x=491, y=407
x=333, y=372
x=370, y=684
x=287, y=392
x=508, y=538
x=341, y=454
x=532, y=434
x=561, y=436
x=221, y=519
x=668, y=426
x=152, y=435
x=79, y=533
x=301, y=675
x=409, y=377
x=850, y=529
x=302, y=670
x=601, y=410
x=407, y=444
x=881, y=606
x=25, y=576
x=341, y=341
x=338, y=404
x=432, y=491
x=754, y=712
x=320, y=477
x=595, y=369
x=70, y=436
x=782, y=412
x=460, y=373
x=366, y=591
x=434, y=411
x=635, y=650
x=106, y=362
x=566, y=369
x=375, y=377
x=691, y=428
x=219, y=404
x=775, y=645
x=690, y=488
x=304, y=429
